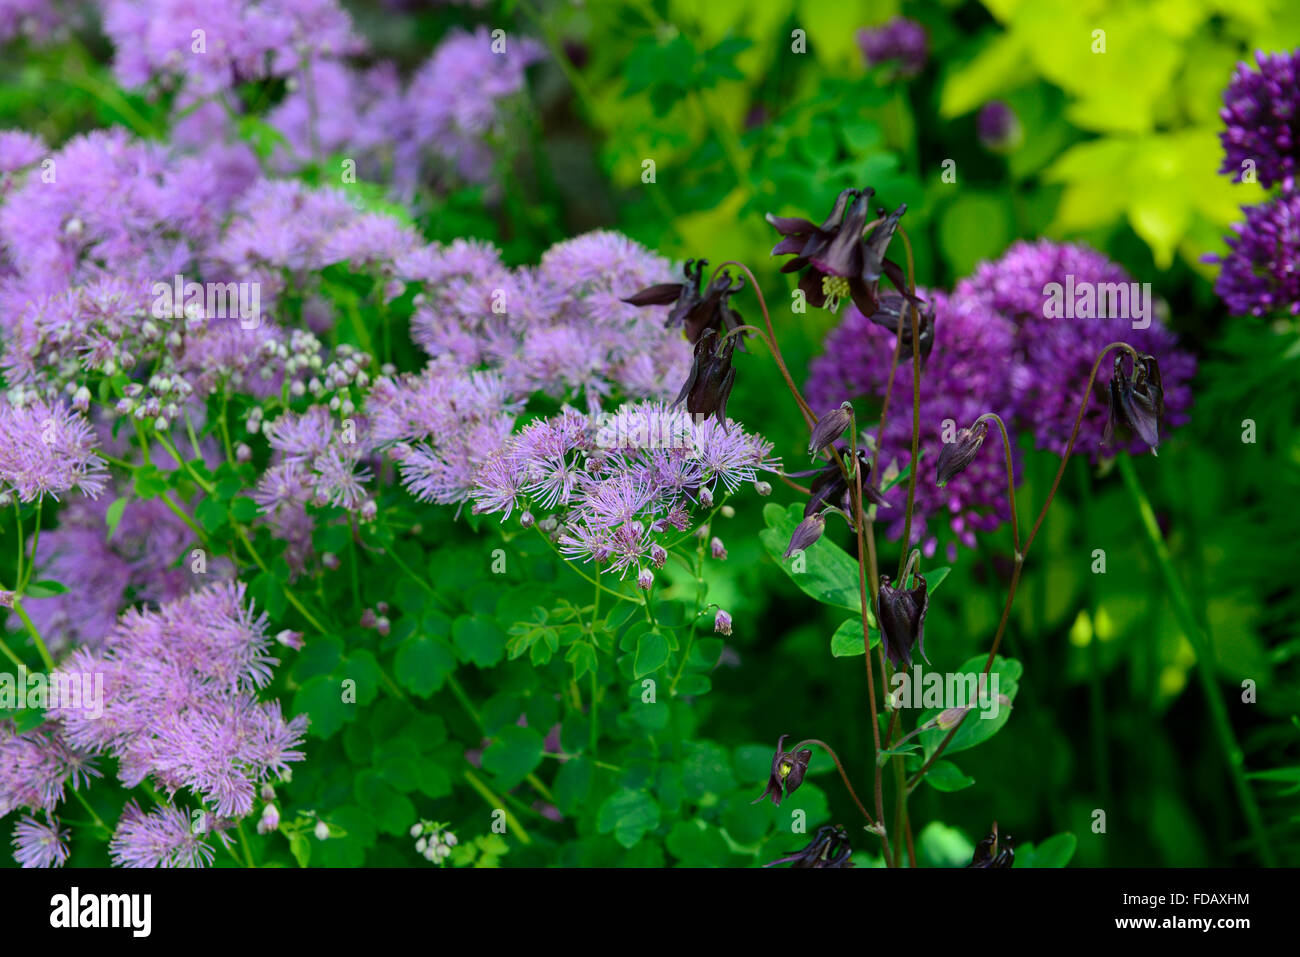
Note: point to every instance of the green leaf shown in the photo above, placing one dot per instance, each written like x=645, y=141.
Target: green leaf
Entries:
x=211, y=514
x=321, y=699
x=300, y=848
x=1056, y=851
x=267, y=593
x=513, y=755
x=990, y=711
x=243, y=509
x=628, y=814
x=847, y=641
x=478, y=639
x=946, y=776
x=392, y=811
x=583, y=658
x=423, y=664
x=698, y=844
x=46, y=588
x=113, y=517
x=830, y=575
x=651, y=653
x=706, y=769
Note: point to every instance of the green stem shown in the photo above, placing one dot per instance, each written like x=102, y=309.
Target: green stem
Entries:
x=1232, y=752
x=43, y=651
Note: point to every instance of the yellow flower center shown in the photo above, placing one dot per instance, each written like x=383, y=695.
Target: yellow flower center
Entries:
x=834, y=288
x=785, y=770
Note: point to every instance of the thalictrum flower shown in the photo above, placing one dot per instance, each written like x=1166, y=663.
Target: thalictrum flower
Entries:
x=788, y=769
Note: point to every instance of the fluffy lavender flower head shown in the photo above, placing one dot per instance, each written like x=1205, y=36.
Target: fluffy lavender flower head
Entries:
x=453, y=100
x=242, y=40
x=40, y=845
x=36, y=767
x=1261, y=276
x=900, y=40
x=47, y=450
x=1260, y=115
x=19, y=149
x=964, y=377
x=617, y=481
x=180, y=701
x=161, y=838
x=1032, y=285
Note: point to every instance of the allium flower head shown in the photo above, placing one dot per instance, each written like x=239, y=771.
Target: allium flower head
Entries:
x=901, y=40
x=1068, y=302
x=1261, y=275
x=1261, y=108
x=967, y=375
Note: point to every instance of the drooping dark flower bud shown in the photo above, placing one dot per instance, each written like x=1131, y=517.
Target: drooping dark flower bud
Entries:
x=900, y=613
x=788, y=769
x=959, y=453
x=806, y=533
x=709, y=384
x=1137, y=402
x=714, y=310
x=829, y=848
x=829, y=428
x=994, y=851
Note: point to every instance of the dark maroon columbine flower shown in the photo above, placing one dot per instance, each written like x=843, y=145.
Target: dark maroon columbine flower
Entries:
x=829, y=848
x=959, y=453
x=993, y=852
x=900, y=612
x=693, y=309
x=788, y=769
x=838, y=261
x=1137, y=402
x=711, y=377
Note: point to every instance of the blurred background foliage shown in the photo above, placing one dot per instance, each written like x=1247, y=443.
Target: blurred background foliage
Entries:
x=1119, y=150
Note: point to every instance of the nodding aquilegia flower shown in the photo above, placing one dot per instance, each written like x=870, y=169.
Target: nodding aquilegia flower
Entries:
x=837, y=261
x=788, y=770
x=829, y=848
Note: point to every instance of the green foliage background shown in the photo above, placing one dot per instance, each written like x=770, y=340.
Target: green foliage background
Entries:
x=1120, y=150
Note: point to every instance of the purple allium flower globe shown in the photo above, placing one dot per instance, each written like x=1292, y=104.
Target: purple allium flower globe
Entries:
x=1053, y=355
x=1260, y=118
x=998, y=127
x=1261, y=275
x=900, y=40
x=966, y=376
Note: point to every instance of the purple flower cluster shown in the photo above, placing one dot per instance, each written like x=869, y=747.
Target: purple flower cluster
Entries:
x=47, y=450
x=180, y=703
x=216, y=45
x=614, y=484
x=1261, y=275
x=1053, y=353
x=497, y=336
x=999, y=346
x=1261, y=109
x=967, y=376
x=900, y=41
